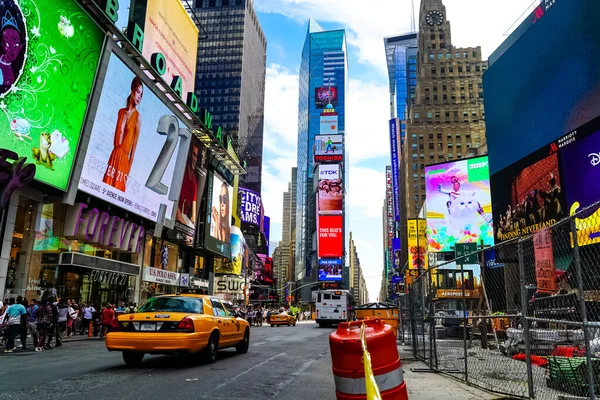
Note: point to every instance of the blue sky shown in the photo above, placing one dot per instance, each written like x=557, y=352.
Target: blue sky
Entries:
x=474, y=22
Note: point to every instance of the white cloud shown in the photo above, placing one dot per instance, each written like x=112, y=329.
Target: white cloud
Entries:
x=280, y=138
x=367, y=115
x=473, y=22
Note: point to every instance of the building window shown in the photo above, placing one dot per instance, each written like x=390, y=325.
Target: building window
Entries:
x=431, y=156
x=415, y=177
x=440, y=56
x=416, y=197
x=448, y=56
x=422, y=156
x=414, y=156
x=416, y=186
x=414, y=146
x=433, y=36
x=439, y=135
x=460, y=69
x=431, y=56
x=422, y=197
x=477, y=68
x=414, y=135
x=450, y=69
x=416, y=207
x=421, y=146
x=416, y=115
x=465, y=54
x=449, y=145
x=414, y=167
x=431, y=146
x=431, y=136
x=421, y=137
x=457, y=55
x=422, y=166
x=458, y=145
x=429, y=114
x=440, y=146
x=459, y=155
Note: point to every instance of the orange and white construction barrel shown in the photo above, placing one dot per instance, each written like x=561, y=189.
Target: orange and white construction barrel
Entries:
x=347, y=360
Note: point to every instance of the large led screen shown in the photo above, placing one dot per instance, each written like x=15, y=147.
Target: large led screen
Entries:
x=330, y=240
x=330, y=197
x=458, y=204
x=546, y=84
x=134, y=143
x=328, y=149
x=219, y=216
x=50, y=53
x=330, y=269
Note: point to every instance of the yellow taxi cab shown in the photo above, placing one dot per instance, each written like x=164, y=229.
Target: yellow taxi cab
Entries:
x=185, y=323
x=282, y=319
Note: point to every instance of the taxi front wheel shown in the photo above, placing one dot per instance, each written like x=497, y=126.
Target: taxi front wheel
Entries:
x=132, y=358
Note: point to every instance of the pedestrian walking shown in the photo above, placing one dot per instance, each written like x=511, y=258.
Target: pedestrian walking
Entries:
x=63, y=316
x=72, y=317
x=52, y=330
x=32, y=321
x=12, y=321
x=87, y=317
x=44, y=321
x=23, y=326
x=106, y=318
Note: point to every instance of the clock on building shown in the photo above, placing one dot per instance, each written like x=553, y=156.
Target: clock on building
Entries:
x=325, y=94
x=434, y=18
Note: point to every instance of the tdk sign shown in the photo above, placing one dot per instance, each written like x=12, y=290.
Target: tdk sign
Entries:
x=329, y=171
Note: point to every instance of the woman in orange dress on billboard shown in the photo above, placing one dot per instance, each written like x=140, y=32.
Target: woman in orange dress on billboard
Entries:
x=127, y=132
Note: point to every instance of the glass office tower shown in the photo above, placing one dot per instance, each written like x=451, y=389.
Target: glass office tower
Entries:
x=230, y=77
x=324, y=65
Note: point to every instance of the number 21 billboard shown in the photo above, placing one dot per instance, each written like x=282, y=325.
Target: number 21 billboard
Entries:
x=134, y=145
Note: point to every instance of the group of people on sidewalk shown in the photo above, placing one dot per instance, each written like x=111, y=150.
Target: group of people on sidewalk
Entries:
x=52, y=319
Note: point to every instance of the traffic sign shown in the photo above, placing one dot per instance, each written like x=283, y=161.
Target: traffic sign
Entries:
x=462, y=249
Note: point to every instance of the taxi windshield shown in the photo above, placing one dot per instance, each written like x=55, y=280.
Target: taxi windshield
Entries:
x=173, y=304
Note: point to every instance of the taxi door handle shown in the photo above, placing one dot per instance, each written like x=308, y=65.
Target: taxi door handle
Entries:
x=219, y=321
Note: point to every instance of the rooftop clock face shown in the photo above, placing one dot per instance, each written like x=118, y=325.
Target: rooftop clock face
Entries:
x=434, y=18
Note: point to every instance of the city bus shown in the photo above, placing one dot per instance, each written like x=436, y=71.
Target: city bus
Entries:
x=333, y=306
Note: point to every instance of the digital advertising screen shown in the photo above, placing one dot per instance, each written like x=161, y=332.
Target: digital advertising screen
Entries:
x=328, y=124
x=219, y=216
x=133, y=147
x=330, y=240
x=192, y=187
x=264, y=270
x=580, y=167
x=50, y=54
x=329, y=149
x=528, y=196
x=544, y=82
x=250, y=206
x=325, y=95
x=330, y=197
x=395, y=151
x=235, y=264
x=170, y=30
x=417, y=243
x=329, y=171
x=458, y=204
x=330, y=269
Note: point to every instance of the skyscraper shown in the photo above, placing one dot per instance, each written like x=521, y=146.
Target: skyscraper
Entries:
x=446, y=116
x=230, y=77
x=323, y=83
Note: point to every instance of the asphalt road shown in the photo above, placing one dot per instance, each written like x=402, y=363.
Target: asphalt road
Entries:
x=282, y=363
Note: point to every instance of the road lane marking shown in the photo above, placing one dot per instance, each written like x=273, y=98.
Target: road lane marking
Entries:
x=246, y=371
x=296, y=374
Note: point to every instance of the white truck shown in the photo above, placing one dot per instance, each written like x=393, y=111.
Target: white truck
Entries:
x=333, y=306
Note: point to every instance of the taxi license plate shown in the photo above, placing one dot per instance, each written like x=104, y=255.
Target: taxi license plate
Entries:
x=148, y=327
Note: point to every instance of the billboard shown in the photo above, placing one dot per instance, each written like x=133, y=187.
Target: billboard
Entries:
x=133, y=147
x=169, y=30
x=329, y=149
x=395, y=153
x=218, y=226
x=329, y=171
x=250, y=206
x=545, y=273
x=417, y=242
x=329, y=123
x=580, y=167
x=330, y=240
x=533, y=106
x=325, y=95
x=50, y=53
x=458, y=204
x=263, y=271
x=396, y=255
x=330, y=269
x=527, y=196
x=235, y=264
x=330, y=197
x=192, y=187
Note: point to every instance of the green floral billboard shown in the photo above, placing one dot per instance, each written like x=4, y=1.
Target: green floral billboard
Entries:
x=49, y=53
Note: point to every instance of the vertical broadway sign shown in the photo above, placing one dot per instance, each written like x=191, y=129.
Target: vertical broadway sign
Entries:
x=395, y=156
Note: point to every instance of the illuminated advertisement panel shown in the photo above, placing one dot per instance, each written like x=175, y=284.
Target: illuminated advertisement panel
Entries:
x=330, y=240
x=330, y=269
x=416, y=244
x=325, y=95
x=458, y=204
x=133, y=147
x=250, y=207
x=329, y=171
x=328, y=123
x=218, y=226
x=329, y=149
x=395, y=153
x=330, y=197
x=169, y=30
x=50, y=53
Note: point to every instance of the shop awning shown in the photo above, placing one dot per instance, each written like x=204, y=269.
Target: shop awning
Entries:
x=98, y=263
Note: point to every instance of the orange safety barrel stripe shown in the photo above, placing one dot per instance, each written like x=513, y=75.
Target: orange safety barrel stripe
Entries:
x=384, y=382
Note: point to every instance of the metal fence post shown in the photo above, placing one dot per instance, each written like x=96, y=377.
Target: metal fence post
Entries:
x=465, y=320
x=525, y=322
x=586, y=337
x=413, y=327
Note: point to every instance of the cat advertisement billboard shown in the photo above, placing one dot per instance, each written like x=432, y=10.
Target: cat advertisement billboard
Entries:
x=458, y=204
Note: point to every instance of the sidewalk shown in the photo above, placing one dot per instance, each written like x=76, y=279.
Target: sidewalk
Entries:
x=431, y=385
x=31, y=348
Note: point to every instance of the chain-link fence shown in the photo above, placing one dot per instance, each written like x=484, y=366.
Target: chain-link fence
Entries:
x=520, y=318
